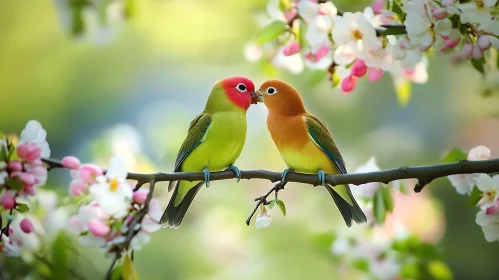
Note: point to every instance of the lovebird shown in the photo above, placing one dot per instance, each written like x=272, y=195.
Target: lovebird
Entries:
x=305, y=143
x=214, y=141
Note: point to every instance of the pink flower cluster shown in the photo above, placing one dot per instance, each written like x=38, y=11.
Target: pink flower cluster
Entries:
x=104, y=222
x=21, y=173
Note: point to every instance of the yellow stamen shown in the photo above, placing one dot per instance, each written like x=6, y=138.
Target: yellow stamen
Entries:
x=357, y=34
x=114, y=185
x=479, y=3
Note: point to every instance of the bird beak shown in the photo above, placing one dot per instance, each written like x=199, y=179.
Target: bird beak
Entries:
x=256, y=96
x=259, y=95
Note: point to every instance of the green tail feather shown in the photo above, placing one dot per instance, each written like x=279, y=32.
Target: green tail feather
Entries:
x=173, y=215
x=348, y=211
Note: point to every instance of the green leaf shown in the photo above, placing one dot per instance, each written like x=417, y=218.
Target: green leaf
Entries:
x=361, y=265
x=281, y=205
x=270, y=32
x=3, y=153
x=12, y=151
x=387, y=198
x=272, y=204
x=439, y=270
x=14, y=183
x=117, y=271
x=60, y=258
x=478, y=64
x=428, y=251
x=403, y=90
x=301, y=35
x=398, y=10
x=475, y=196
x=410, y=271
x=379, y=207
x=23, y=208
x=454, y=155
x=129, y=272
x=117, y=226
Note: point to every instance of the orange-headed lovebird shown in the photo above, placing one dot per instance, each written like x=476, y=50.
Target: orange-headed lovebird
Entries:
x=305, y=143
x=214, y=141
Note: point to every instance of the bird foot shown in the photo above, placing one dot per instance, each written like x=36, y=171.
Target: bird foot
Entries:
x=206, y=173
x=236, y=170
x=284, y=173
x=322, y=177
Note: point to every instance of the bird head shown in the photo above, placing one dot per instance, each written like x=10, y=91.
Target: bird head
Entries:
x=280, y=98
x=231, y=93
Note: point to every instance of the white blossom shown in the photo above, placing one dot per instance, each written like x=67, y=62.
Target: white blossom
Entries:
x=489, y=224
x=489, y=186
x=34, y=133
x=112, y=192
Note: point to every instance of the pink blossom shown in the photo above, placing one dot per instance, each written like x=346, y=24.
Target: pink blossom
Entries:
x=71, y=162
x=77, y=188
x=493, y=209
x=377, y=6
x=140, y=196
x=98, y=228
x=29, y=189
x=291, y=14
x=15, y=165
x=477, y=52
x=452, y=43
x=27, y=178
x=291, y=49
x=29, y=151
x=321, y=53
x=375, y=74
x=8, y=201
x=439, y=13
x=359, y=68
x=88, y=172
x=348, y=84
x=467, y=50
x=26, y=225
x=484, y=42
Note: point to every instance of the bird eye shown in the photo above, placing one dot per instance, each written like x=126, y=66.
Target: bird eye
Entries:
x=271, y=90
x=241, y=87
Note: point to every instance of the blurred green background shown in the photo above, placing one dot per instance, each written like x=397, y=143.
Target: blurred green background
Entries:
x=133, y=87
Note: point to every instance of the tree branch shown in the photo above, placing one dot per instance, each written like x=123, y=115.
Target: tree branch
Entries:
x=424, y=174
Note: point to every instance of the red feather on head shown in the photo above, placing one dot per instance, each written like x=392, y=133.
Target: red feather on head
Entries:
x=238, y=90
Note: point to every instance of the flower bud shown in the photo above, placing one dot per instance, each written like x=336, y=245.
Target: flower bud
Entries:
x=348, y=84
x=26, y=225
x=263, y=219
x=71, y=162
x=439, y=13
x=484, y=42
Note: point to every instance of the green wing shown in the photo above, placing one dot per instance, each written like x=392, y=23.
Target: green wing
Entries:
x=322, y=138
x=195, y=136
x=342, y=194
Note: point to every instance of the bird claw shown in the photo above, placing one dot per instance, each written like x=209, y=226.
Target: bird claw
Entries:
x=206, y=173
x=236, y=170
x=322, y=177
x=284, y=173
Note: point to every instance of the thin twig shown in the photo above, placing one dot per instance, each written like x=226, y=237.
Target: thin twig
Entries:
x=136, y=220
x=113, y=263
x=263, y=199
x=424, y=174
